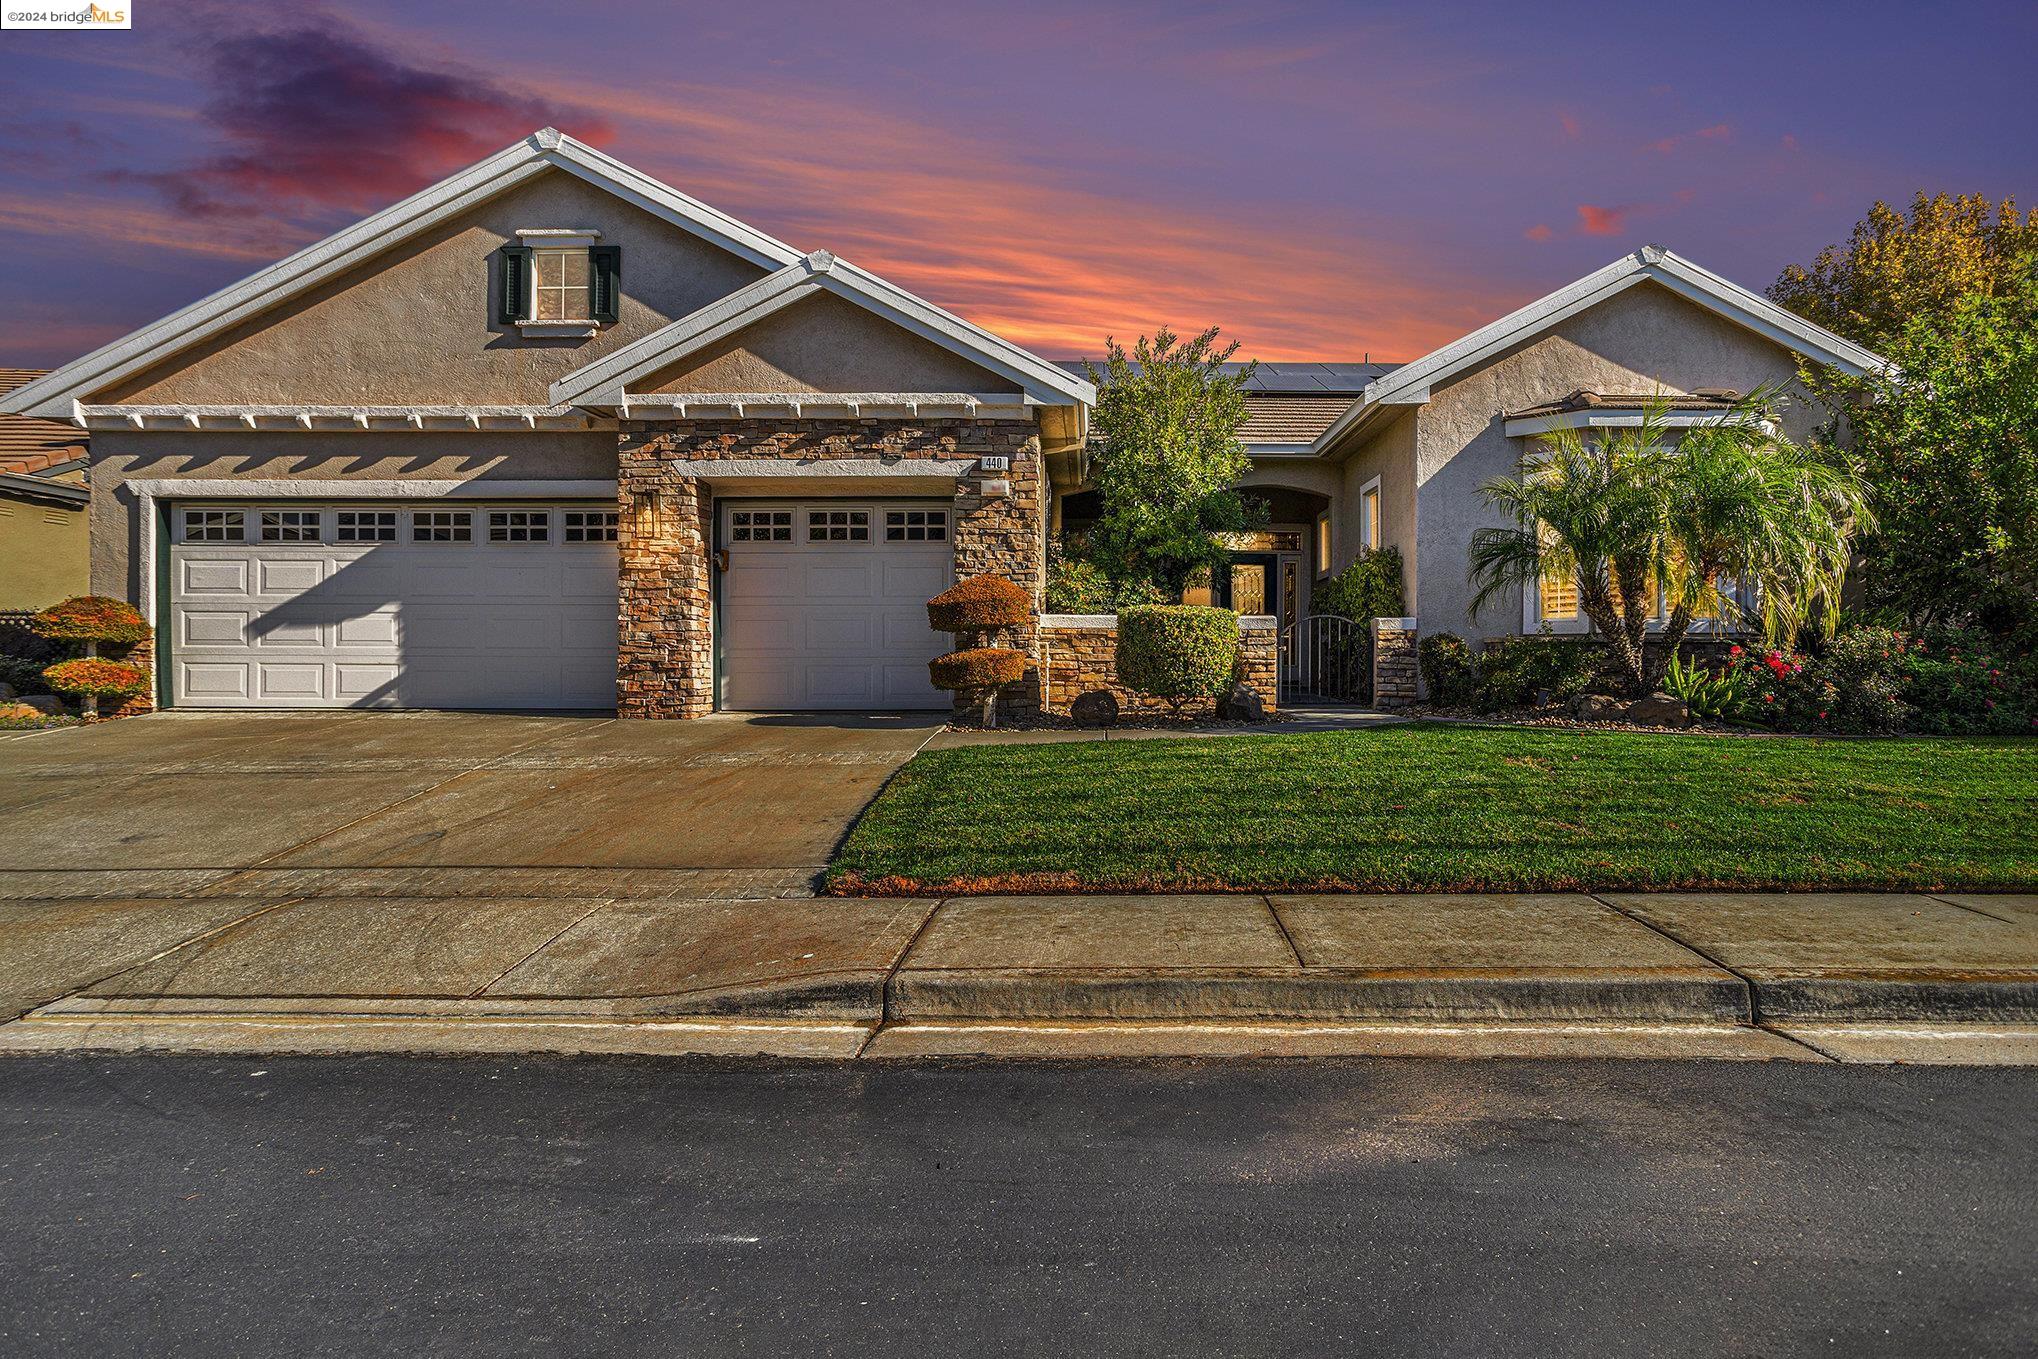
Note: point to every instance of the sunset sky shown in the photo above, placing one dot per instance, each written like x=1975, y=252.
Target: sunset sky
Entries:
x=1322, y=180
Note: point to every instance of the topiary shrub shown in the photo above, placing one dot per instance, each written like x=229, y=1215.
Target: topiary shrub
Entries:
x=980, y=604
x=91, y=678
x=90, y=618
x=1176, y=652
x=1448, y=671
x=983, y=667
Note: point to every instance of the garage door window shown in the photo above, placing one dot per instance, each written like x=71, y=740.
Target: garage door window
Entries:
x=364, y=526
x=590, y=526
x=290, y=526
x=214, y=526
x=442, y=526
x=519, y=526
x=761, y=526
x=838, y=526
x=916, y=526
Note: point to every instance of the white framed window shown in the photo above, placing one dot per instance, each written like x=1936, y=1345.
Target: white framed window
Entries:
x=588, y=526
x=838, y=526
x=442, y=526
x=1323, y=543
x=215, y=526
x=760, y=526
x=560, y=279
x=1369, y=515
x=519, y=526
x=290, y=526
x=916, y=526
x=364, y=526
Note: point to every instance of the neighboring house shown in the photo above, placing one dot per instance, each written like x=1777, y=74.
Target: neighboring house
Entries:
x=43, y=495
x=551, y=434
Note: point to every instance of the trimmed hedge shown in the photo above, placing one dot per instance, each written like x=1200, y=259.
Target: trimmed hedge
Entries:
x=101, y=679
x=90, y=618
x=1449, y=672
x=980, y=603
x=983, y=667
x=1177, y=652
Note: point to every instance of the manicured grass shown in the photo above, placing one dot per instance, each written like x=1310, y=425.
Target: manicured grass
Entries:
x=1453, y=808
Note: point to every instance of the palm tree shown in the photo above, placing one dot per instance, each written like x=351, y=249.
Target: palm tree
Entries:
x=1730, y=507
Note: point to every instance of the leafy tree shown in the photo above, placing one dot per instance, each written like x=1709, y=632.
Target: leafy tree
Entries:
x=1901, y=265
x=1727, y=505
x=1167, y=421
x=1949, y=442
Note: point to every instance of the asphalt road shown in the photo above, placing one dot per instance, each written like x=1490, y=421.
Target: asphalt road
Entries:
x=364, y=1206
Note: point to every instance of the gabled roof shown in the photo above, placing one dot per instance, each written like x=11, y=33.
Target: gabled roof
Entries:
x=52, y=395
x=1412, y=383
x=603, y=383
x=29, y=446
x=1294, y=376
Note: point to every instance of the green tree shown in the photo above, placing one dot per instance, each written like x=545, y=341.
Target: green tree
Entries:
x=1167, y=420
x=1948, y=439
x=1901, y=265
x=1633, y=515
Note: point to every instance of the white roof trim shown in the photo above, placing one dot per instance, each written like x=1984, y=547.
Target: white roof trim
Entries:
x=605, y=382
x=51, y=396
x=802, y=469
x=1616, y=417
x=379, y=488
x=823, y=405
x=1412, y=383
x=342, y=418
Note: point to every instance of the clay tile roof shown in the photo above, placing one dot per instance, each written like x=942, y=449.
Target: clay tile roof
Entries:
x=28, y=445
x=1704, y=399
x=1288, y=418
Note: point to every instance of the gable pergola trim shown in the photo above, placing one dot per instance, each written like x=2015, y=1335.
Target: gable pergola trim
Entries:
x=1412, y=383
x=604, y=384
x=54, y=395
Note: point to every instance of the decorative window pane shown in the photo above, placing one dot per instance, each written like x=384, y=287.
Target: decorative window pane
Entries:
x=916, y=526
x=590, y=526
x=519, y=526
x=442, y=526
x=761, y=526
x=290, y=526
x=214, y=526
x=364, y=526
x=838, y=526
x=1323, y=544
x=1369, y=519
x=561, y=293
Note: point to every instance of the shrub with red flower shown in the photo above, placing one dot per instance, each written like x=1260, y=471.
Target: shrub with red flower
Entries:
x=90, y=618
x=90, y=677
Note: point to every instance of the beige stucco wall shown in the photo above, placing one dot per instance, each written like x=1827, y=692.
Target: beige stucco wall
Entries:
x=43, y=556
x=418, y=325
x=825, y=343
x=118, y=457
x=1639, y=340
x=1390, y=456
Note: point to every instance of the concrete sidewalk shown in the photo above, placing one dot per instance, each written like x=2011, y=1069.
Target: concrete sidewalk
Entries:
x=612, y=961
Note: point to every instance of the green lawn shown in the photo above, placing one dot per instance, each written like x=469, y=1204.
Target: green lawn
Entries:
x=1453, y=808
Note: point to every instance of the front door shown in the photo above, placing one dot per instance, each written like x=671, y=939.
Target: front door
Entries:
x=1251, y=584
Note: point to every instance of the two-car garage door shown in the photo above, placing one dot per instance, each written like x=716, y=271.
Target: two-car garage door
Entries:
x=393, y=605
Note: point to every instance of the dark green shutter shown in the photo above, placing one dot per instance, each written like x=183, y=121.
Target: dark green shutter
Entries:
x=605, y=280
x=515, y=285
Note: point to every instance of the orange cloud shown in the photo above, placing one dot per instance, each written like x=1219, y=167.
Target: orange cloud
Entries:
x=1539, y=232
x=1594, y=220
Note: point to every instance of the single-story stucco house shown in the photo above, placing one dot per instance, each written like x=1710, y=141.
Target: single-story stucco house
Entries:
x=551, y=434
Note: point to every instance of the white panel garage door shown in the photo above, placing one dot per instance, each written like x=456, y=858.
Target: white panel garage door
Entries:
x=824, y=604
x=393, y=605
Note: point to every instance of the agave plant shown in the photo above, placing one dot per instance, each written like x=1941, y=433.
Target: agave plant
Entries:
x=1708, y=693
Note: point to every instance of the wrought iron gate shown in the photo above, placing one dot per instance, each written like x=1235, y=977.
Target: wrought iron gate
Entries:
x=1327, y=656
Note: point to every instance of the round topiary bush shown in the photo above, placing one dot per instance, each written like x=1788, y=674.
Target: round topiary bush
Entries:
x=92, y=678
x=90, y=618
x=1177, y=652
x=983, y=667
x=980, y=604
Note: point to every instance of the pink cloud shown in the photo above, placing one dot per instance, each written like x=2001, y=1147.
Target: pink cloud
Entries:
x=1568, y=123
x=1718, y=132
x=1663, y=145
x=1539, y=232
x=1594, y=220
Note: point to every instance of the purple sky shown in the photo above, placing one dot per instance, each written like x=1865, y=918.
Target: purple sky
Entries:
x=1322, y=180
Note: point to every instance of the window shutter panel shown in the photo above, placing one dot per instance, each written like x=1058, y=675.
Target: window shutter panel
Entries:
x=605, y=280
x=515, y=285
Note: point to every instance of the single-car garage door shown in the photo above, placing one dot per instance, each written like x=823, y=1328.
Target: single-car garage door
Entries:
x=393, y=605
x=824, y=604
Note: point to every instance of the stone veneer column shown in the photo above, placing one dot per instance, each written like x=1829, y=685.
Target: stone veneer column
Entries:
x=1259, y=657
x=1006, y=535
x=1396, y=676
x=665, y=650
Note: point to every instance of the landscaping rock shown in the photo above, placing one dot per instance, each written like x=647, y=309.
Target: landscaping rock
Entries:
x=49, y=705
x=1241, y=704
x=17, y=711
x=1597, y=708
x=1659, y=710
x=1097, y=708
x=7, y=691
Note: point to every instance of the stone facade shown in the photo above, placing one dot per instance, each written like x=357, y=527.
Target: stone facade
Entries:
x=1396, y=676
x=665, y=661
x=1078, y=654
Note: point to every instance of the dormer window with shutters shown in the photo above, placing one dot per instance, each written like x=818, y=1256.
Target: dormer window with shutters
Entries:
x=559, y=281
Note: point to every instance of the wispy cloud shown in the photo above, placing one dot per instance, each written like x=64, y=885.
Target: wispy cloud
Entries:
x=1595, y=220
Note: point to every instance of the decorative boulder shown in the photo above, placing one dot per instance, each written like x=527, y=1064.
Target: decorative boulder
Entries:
x=7, y=692
x=1597, y=708
x=49, y=705
x=1241, y=704
x=980, y=604
x=1097, y=708
x=1659, y=710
